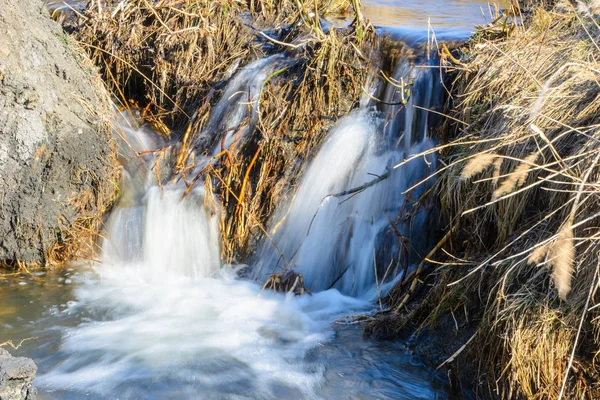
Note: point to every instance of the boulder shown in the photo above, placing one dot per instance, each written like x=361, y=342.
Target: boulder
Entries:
x=55, y=155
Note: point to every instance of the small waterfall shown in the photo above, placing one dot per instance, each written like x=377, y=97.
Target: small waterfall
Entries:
x=358, y=240
x=236, y=114
x=167, y=318
x=354, y=242
x=162, y=315
x=153, y=230
x=419, y=83
x=165, y=237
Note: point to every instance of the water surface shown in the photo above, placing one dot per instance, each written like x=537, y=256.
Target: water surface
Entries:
x=455, y=19
x=97, y=335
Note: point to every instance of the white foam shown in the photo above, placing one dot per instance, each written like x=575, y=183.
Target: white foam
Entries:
x=189, y=330
x=174, y=314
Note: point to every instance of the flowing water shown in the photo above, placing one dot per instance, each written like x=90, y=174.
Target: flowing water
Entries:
x=160, y=316
x=333, y=238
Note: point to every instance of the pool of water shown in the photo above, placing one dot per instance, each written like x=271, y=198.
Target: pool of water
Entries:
x=111, y=335
x=453, y=19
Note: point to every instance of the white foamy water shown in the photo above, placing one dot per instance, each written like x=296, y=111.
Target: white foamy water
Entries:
x=175, y=323
x=164, y=238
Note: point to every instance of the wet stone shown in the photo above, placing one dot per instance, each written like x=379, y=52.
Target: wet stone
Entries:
x=16, y=377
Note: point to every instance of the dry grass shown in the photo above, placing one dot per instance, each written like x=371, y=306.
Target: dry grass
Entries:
x=172, y=59
x=522, y=189
x=79, y=237
x=164, y=55
x=167, y=56
x=290, y=11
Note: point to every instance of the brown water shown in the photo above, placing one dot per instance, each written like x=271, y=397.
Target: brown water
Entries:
x=447, y=18
x=454, y=19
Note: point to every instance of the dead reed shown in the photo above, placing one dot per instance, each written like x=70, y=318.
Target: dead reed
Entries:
x=171, y=59
x=164, y=55
x=519, y=274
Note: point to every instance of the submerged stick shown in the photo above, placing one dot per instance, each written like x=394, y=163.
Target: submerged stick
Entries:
x=416, y=273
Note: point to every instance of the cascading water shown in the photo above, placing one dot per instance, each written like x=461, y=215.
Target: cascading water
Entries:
x=162, y=315
x=333, y=234
x=236, y=114
x=167, y=318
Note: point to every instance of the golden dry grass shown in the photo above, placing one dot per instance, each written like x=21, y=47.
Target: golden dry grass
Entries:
x=164, y=55
x=171, y=59
x=521, y=185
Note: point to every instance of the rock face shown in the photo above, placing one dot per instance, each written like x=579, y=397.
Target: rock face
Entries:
x=16, y=377
x=51, y=146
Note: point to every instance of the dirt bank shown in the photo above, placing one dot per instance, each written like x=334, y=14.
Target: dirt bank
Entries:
x=55, y=158
x=509, y=308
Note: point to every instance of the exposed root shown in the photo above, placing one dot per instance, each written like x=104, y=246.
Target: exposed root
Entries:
x=286, y=282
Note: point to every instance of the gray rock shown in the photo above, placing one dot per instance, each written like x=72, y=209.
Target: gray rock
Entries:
x=16, y=377
x=51, y=144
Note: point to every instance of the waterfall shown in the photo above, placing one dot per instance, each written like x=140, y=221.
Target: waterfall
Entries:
x=166, y=237
x=156, y=231
x=163, y=315
x=236, y=113
x=357, y=241
x=152, y=230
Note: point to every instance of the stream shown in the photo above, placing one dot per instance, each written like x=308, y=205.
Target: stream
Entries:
x=159, y=316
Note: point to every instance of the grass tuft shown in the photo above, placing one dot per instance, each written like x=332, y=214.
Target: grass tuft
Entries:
x=516, y=280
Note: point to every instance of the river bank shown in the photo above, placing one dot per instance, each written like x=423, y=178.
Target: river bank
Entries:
x=509, y=306
x=58, y=171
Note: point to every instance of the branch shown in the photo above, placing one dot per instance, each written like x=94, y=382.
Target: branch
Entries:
x=349, y=192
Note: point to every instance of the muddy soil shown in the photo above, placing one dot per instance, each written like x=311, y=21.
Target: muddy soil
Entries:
x=54, y=149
